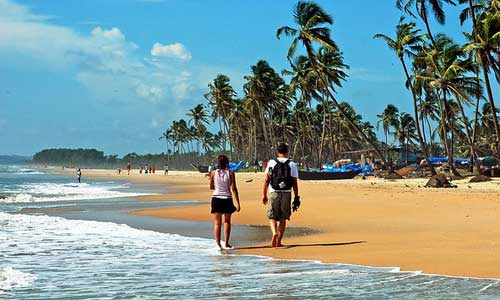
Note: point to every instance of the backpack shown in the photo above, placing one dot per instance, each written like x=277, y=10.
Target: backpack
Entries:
x=281, y=176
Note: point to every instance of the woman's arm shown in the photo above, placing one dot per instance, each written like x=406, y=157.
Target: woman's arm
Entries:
x=212, y=184
x=234, y=189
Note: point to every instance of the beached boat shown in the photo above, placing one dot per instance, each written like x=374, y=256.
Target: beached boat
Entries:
x=491, y=172
x=316, y=175
x=200, y=168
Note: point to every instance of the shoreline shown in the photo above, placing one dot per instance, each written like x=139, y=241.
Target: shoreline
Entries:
x=448, y=232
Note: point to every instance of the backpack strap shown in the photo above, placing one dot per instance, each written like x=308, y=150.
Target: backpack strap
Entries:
x=279, y=162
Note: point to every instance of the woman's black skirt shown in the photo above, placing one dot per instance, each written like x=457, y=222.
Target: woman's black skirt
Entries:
x=222, y=205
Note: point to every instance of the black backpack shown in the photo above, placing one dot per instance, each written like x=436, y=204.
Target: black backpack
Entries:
x=281, y=176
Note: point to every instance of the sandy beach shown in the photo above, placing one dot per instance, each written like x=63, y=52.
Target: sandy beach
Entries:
x=371, y=222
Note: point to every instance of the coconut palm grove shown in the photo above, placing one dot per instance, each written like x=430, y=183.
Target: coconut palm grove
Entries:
x=450, y=87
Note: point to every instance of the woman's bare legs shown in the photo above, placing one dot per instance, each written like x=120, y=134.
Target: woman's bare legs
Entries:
x=227, y=229
x=217, y=225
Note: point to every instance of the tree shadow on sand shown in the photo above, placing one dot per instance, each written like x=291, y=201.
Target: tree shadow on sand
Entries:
x=302, y=245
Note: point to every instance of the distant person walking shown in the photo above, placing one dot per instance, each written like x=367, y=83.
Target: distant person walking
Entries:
x=223, y=183
x=79, y=175
x=154, y=169
x=129, y=166
x=280, y=178
x=166, y=170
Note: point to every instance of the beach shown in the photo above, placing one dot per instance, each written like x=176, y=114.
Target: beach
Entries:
x=373, y=222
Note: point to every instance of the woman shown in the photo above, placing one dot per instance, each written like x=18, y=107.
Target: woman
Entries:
x=223, y=183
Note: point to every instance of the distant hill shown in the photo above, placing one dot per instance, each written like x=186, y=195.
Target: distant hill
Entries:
x=14, y=159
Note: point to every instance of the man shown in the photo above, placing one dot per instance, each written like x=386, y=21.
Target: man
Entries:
x=166, y=169
x=280, y=178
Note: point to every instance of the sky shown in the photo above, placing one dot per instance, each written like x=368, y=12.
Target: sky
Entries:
x=114, y=74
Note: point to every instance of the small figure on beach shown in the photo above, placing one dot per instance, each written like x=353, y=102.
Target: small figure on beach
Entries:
x=129, y=166
x=119, y=171
x=153, y=169
x=280, y=178
x=79, y=175
x=146, y=169
x=166, y=169
x=223, y=183
x=141, y=169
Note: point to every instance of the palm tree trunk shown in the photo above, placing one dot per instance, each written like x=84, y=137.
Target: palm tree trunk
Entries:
x=417, y=123
x=451, y=163
x=491, y=102
x=430, y=134
x=358, y=129
x=323, y=130
x=428, y=28
x=264, y=131
x=468, y=133
x=477, y=168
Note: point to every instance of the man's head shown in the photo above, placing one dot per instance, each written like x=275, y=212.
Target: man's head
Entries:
x=282, y=150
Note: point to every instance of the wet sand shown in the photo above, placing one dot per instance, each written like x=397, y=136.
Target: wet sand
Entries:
x=370, y=222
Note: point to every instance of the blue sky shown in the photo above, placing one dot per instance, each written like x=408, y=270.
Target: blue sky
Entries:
x=113, y=74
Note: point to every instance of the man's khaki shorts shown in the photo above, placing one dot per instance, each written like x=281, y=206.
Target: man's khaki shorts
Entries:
x=279, y=207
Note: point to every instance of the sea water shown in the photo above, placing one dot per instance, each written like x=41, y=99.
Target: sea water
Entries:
x=47, y=257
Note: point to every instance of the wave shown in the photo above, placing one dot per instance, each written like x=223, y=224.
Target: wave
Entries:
x=11, y=279
x=49, y=192
x=116, y=258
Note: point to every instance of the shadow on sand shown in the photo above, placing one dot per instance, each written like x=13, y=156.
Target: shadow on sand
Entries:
x=302, y=245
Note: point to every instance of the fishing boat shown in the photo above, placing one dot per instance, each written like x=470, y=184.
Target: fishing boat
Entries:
x=318, y=175
x=491, y=172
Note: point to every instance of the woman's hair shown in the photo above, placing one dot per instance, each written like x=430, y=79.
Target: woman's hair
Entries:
x=223, y=162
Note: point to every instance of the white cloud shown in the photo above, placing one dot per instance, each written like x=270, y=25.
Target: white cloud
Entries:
x=15, y=12
x=176, y=50
x=153, y=93
x=103, y=60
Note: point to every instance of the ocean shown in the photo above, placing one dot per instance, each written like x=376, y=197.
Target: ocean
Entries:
x=51, y=249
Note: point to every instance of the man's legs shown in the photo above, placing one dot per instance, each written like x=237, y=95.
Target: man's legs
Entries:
x=281, y=232
x=227, y=229
x=274, y=230
x=217, y=225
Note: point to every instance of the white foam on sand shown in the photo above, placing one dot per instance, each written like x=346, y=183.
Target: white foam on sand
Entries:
x=48, y=192
x=11, y=279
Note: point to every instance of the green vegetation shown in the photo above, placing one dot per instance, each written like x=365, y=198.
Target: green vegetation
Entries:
x=91, y=158
x=450, y=90
x=299, y=106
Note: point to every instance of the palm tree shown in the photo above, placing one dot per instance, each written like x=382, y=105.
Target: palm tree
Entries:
x=221, y=98
x=265, y=90
x=199, y=118
x=167, y=135
x=331, y=64
x=405, y=132
x=450, y=70
x=422, y=8
x=407, y=40
x=388, y=119
x=483, y=42
x=312, y=20
x=428, y=109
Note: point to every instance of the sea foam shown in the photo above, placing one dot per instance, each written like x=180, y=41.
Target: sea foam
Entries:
x=49, y=192
x=11, y=278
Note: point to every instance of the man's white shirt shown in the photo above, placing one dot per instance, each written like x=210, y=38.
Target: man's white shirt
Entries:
x=293, y=168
